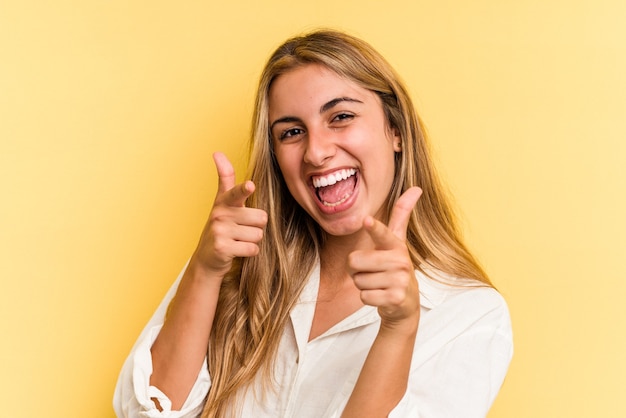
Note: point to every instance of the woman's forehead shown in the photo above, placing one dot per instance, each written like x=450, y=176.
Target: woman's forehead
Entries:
x=312, y=85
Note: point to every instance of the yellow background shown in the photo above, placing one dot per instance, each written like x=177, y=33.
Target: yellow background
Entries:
x=110, y=110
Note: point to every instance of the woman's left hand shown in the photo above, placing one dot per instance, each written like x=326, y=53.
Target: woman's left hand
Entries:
x=385, y=274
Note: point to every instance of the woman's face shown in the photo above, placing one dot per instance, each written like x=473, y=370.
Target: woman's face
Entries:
x=333, y=146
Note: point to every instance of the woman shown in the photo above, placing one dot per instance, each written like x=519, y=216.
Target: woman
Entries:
x=304, y=295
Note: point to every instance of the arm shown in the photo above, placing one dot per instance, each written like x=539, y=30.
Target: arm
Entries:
x=133, y=393
x=461, y=354
x=385, y=276
x=231, y=231
x=384, y=377
x=464, y=349
x=180, y=348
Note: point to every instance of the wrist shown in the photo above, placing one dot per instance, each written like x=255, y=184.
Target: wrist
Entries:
x=197, y=271
x=403, y=328
x=204, y=266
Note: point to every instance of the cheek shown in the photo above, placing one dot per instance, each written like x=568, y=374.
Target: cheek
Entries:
x=289, y=158
x=289, y=168
x=284, y=163
x=386, y=169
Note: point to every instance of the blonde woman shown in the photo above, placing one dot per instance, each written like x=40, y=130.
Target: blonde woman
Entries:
x=334, y=282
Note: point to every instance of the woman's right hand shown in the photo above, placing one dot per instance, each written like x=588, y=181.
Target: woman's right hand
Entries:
x=232, y=230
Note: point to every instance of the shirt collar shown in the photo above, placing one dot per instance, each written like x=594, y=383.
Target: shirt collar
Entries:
x=432, y=293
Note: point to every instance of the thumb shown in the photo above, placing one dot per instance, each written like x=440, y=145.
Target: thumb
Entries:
x=401, y=212
x=225, y=173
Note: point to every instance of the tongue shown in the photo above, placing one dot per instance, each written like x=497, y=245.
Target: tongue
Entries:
x=338, y=191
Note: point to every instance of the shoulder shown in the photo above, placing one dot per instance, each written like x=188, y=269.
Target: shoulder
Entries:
x=464, y=303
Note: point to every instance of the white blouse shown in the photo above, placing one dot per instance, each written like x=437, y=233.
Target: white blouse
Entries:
x=462, y=351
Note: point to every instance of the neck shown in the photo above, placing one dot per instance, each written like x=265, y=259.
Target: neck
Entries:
x=335, y=252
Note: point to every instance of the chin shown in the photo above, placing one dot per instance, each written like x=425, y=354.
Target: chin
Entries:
x=343, y=227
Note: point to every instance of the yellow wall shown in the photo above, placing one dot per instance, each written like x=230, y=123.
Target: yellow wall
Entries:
x=110, y=110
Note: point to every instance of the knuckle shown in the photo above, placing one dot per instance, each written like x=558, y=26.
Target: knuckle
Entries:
x=396, y=297
x=218, y=228
x=218, y=214
x=218, y=250
x=353, y=259
x=363, y=295
x=358, y=280
x=221, y=249
x=406, y=265
x=403, y=281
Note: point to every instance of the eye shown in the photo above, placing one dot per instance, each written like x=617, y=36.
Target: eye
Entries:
x=343, y=117
x=290, y=133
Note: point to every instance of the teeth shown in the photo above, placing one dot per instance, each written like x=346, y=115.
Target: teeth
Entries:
x=343, y=199
x=333, y=178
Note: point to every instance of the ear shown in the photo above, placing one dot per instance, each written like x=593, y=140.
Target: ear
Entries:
x=397, y=139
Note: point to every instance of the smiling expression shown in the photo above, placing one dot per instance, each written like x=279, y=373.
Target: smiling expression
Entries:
x=333, y=145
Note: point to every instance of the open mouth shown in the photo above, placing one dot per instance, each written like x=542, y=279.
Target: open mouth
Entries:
x=335, y=188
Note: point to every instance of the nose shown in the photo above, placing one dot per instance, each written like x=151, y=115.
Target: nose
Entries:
x=320, y=147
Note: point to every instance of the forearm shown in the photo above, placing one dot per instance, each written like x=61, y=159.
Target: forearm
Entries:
x=180, y=349
x=384, y=376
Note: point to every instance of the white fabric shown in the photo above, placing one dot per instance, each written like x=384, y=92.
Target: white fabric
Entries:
x=462, y=352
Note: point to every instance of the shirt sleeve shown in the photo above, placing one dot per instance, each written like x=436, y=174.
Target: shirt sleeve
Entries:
x=462, y=377
x=133, y=392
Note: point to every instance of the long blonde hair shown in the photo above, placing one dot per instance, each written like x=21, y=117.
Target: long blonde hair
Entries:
x=258, y=293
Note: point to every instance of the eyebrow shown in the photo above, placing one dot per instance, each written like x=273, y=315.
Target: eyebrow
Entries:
x=286, y=119
x=336, y=101
x=325, y=107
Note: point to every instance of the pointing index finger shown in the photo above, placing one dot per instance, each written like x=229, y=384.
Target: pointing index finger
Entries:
x=237, y=195
x=382, y=237
x=386, y=237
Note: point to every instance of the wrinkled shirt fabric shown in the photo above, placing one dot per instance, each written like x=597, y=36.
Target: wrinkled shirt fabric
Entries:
x=462, y=352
